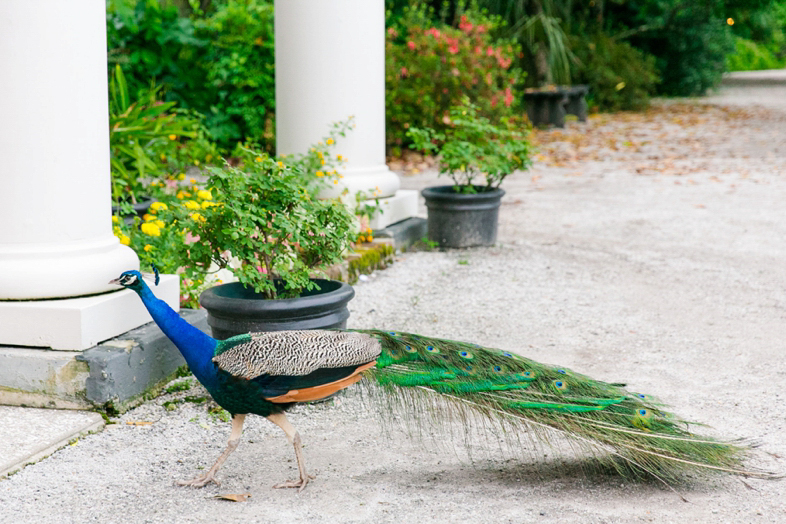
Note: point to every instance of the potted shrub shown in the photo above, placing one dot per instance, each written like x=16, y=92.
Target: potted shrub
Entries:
x=260, y=223
x=471, y=150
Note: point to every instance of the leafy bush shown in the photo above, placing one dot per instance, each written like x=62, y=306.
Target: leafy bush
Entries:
x=149, y=138
x=431, y=66
x=620, y=77
x=237, y=93
x=472, y=146
x=750, y=56
x=220, y=65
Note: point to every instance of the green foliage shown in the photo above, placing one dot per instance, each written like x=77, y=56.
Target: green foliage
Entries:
x=149, y=138
x=430, y=66
x=750, y=56
x=620, y=77
x=264, y=225
x=689, y=40
x=220, y=64
x=237, y=93
x=472, y=146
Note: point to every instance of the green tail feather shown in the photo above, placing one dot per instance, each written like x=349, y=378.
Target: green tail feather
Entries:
x=511, y=388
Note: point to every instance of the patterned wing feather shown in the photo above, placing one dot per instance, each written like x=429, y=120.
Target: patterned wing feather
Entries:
x=296, y=353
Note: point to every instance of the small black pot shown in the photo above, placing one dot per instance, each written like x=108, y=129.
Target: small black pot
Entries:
x=233, y=309
x=140, y=208
x=462, y=220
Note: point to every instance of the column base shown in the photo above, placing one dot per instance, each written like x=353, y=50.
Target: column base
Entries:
x=402, y=205
x=114, y=375
x=79, y=323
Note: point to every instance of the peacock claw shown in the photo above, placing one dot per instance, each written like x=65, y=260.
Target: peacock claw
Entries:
x=199, y=482
x=300, y=484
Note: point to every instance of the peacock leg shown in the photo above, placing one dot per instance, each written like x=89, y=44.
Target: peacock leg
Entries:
x=294, y=438
x=210, y=475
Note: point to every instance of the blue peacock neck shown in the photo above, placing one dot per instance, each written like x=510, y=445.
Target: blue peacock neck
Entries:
x=195, y=346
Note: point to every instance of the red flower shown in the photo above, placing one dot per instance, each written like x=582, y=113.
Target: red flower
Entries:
x=411, y=45
x=508, y=97
x=453, y=49
x=404, y=71
x=490, y=51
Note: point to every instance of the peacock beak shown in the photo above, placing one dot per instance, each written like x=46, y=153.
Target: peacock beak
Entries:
x=115, y=281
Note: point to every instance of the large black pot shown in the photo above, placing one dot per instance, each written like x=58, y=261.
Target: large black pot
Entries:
x=233, y=309
x=462, y=220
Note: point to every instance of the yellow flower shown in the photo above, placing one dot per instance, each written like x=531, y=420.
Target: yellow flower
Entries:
x=320, y=173
x=190, y=204
x=193, y=181
x=158, y=206
x=280, y=164
x=147, y=217
x=171, y=137
x=151, y=229
x=124, y=239
x=322, y=161
x=204, y=194
x=115, y=219
x=335, y=181
x=196, y=162
x=329, y=141
x=206, y=204
x=159, y=223
x=163, y=157
x=197, y=217
x=258, y=159
x=148, y=247
x=340, y=158
x=208, y=158
x=183, y=194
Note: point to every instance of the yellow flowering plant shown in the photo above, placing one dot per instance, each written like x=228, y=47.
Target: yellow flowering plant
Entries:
x=262, y=224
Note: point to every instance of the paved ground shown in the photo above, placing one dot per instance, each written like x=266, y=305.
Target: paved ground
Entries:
x=644, y=248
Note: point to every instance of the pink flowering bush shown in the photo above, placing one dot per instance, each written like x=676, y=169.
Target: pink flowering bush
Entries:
x=431, y=68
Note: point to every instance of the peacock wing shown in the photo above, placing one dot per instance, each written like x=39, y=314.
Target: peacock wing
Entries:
x=296, y=366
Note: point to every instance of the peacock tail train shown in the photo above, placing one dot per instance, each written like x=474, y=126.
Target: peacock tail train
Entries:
x=511, y=389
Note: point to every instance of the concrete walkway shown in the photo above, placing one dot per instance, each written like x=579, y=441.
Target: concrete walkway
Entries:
x=647, y=248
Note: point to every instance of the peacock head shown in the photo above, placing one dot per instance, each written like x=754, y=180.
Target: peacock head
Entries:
x=131, y=279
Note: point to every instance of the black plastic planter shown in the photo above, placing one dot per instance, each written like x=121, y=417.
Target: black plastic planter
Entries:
x=462, y=220
x=233, y=309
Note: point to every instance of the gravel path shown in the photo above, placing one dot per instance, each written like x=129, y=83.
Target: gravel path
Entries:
x=641, y=248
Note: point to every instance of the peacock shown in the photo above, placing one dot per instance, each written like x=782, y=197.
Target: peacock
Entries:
x=267, y=373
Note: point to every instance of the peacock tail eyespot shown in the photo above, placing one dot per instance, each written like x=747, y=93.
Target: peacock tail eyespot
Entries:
x=561, y=371
x=529, y=374
x=393, y=333
x=498, y=369
x=432, y=349
x=507, y=354
x=466, y=354
x=559, y=385
x=410, y=349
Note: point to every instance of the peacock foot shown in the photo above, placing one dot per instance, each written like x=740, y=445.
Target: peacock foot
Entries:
x=201, y=481
x=300, y=484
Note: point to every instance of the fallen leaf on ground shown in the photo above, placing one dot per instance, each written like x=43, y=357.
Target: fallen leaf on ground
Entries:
x=234, y=497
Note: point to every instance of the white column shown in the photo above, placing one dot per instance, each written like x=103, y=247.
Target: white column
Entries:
x=55, y=220
x=330, y=65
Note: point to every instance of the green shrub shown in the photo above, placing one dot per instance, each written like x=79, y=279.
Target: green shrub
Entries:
x=620, y=77
x=431, y=66
x=149, y=138
x=750, y=56
x=238, y=94
x=473, y=147
x=221, y=64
